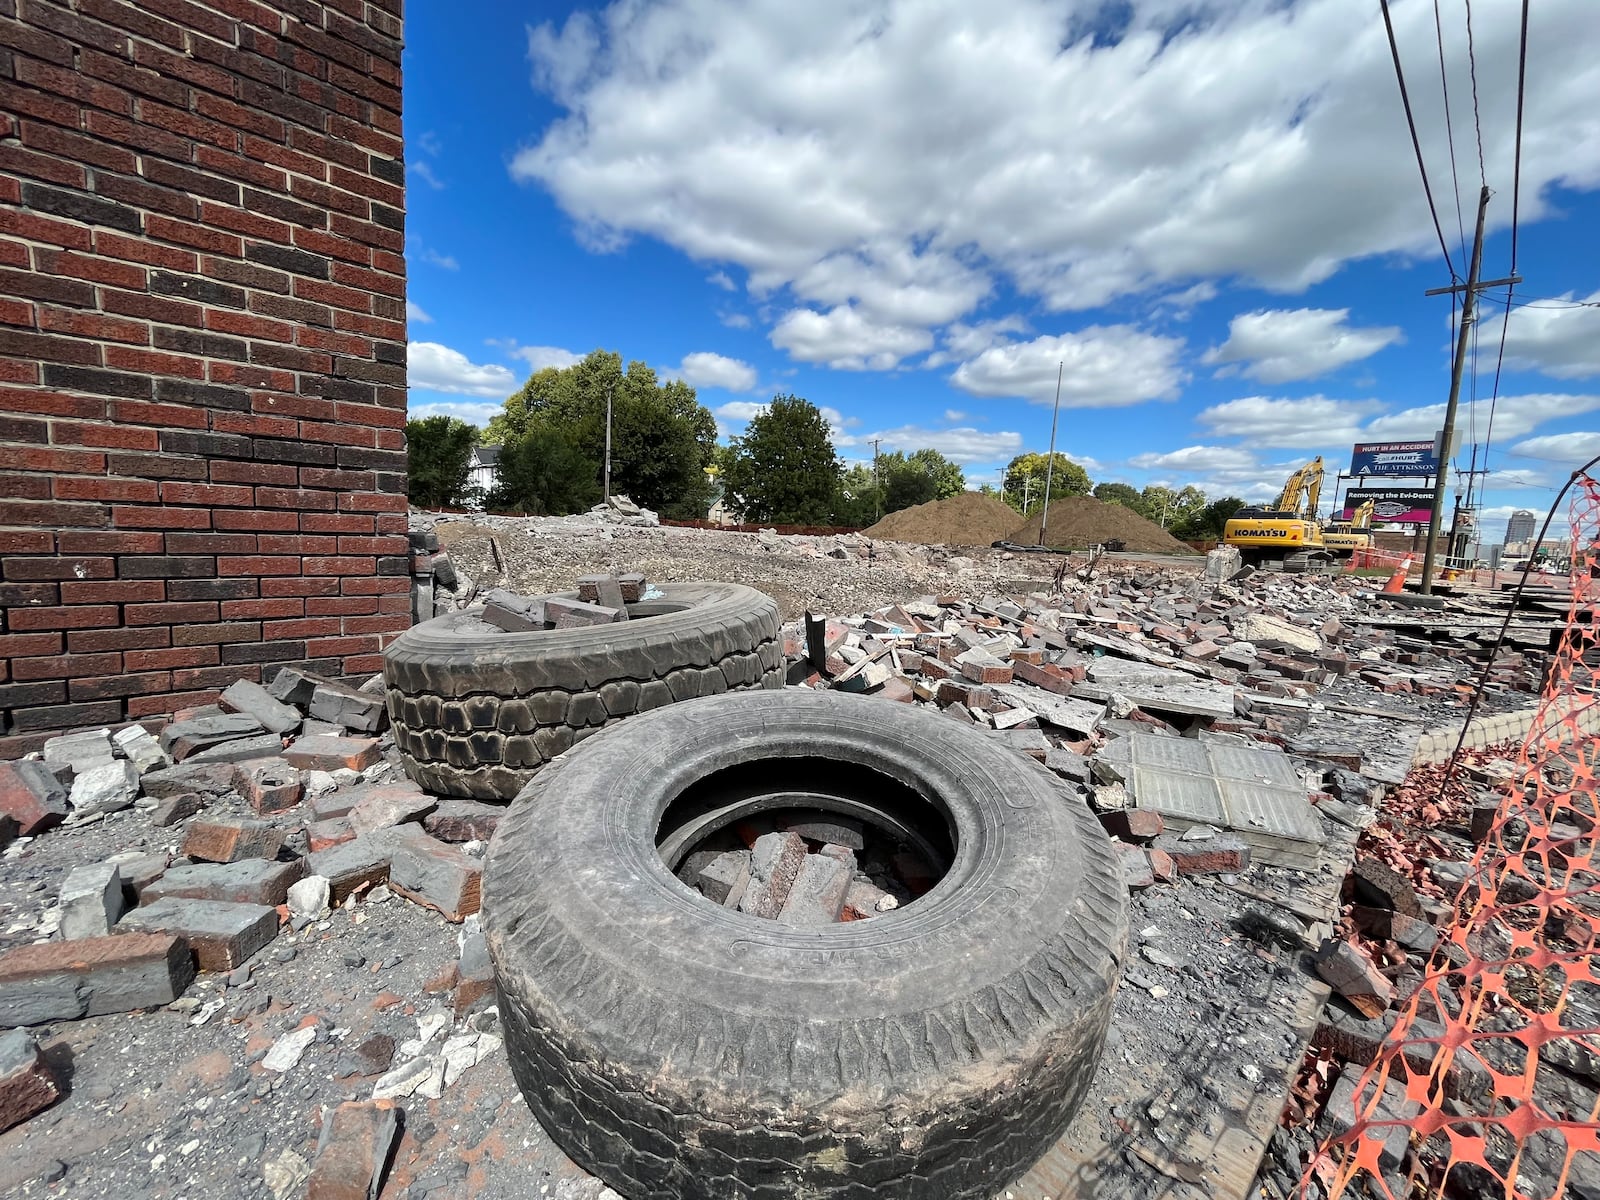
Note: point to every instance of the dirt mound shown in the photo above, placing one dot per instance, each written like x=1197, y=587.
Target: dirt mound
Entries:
x=969, y=519
x=1078, y=522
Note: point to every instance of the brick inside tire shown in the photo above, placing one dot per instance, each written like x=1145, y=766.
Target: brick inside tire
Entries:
x=676, y=1048
x=476, y=711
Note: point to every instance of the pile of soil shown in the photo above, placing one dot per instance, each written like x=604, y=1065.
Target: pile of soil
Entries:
x=968, y=519
x=1078, y=522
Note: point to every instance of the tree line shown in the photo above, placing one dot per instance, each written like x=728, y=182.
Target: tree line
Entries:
x=784, y=470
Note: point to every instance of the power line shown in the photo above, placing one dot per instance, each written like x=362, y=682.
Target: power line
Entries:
x=1416, y=145
x=1516, y=194
x=1450, y=137
x=1472, y=66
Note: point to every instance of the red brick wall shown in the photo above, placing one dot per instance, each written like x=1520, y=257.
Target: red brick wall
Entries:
x=202, y=350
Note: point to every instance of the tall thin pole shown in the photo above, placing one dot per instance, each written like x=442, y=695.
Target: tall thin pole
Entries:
x=608, y=445
x=1050, y=463
x=877, y=491
x=1469, y=314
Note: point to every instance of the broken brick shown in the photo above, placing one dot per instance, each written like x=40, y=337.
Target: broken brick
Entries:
x=463, y=820
x=1377, y=884
x=816, y=897
x=358, y=1138
x=28, y=1085
x=774, y=862
x=1221, y=854
x=1132, y=824
x=324, y=835
x=337, y=702
x=330, y=753
x=577, y=614
x=433, y=874
x=1354, y=976
x=32, y=796
x=394, y=804
x=92, y=977
x=269, y=785
x=253, y=881
x=226, y=840
x=362, y=861
x=220, y=934
x=252, y=700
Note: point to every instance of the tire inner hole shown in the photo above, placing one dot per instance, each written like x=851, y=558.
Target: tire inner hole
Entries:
x=806, y=840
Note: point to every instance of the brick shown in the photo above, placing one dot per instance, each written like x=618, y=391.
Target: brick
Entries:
x=357, y=1140
x=433, y=874
x=1354, y=976
x=253, y=881
x=28, y=1083
x=331, y=753
x=388, y=806
x=1219, y=854
x=183, y=739
x=32, y=796
x=463, y=820
x=92, y=977
x=341, y=704
x=572, y=614
x=221, y=935
x=229, y=840
x=253, y=700
x=268, y=785
x=324, y=835
x=349, y=866
x=1132, y=824
x=775, y=862
x=1376, y=883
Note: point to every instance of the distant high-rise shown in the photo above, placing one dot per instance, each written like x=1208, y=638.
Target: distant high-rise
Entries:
x=1520, y=527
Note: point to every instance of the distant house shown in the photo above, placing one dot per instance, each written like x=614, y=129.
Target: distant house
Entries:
x=483, y=471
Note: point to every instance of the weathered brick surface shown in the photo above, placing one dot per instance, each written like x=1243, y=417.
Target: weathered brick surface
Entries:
x=222, y=935
x=202, y=350
x=90, y=977
x=28, y=1084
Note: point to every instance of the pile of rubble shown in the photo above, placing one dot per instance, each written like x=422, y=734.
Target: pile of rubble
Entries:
x=286, y=805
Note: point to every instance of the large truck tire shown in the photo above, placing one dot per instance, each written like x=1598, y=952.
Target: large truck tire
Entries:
x=476, y=710
x=678, y=1049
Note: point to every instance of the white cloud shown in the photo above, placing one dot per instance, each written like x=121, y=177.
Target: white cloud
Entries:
x=964, y=445
x=954, y=414
x=1278, y=345
x=1182, y=304
x=740, y=410
x=1256, y=141
x=1308, y=423
x=1566, y=449
x=734, y=320
x=1562, y=342
x=845, y=339
x=703, y=369
x=438, y=368
x=440, y=260
x=722, y=280
x=963, y=341
x=1106, y=367
x=1197, y=458
x=425, y=173
x=537, y=357
x=414, y=313
x=472, y=412
x=1513, y=417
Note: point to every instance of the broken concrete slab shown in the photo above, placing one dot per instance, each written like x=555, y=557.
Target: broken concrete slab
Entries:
x=1064, y=712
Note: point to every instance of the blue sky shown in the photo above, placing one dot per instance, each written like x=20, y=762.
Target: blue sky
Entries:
x=910, y=213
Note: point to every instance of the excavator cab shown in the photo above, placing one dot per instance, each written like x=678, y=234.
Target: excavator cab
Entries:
x=1287, y=532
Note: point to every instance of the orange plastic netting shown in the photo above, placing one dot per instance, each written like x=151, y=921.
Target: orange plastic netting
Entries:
x=1507, y=1019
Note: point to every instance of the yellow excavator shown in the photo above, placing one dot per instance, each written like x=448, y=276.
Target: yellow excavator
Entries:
x=1344, y=538
x=1286, y=532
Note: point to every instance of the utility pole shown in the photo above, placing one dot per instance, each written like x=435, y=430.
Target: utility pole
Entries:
x=1050, y=463
x=608, y=445
x=1469, y=315
x=877, y=492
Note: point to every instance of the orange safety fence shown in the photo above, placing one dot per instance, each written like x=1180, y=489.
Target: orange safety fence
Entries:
x=1510, y=996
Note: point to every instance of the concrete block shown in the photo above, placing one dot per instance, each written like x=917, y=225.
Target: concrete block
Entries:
x=463, y=820
x=108, y=788
x=774, y=862
x=252, y=881
x=817, y=895
x=28, y=1085
x=353, y=1151
x=91, y=901
x=433, y=874
x=63, y=981
x=220, y=934
x=253, y=700
x=32, y=796
x=330, y=753
x=226, y=840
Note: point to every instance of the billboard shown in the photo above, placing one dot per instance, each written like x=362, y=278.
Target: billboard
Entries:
x=1394, y=506
x=1394, y=458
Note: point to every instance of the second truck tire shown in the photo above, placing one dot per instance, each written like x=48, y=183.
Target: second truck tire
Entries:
x=476, y=710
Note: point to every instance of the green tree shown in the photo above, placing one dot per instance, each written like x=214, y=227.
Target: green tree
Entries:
x=1118, y=493
x=662, y=438
x=784, y=468
x=544, y=470
x=859, y=501
x=1025, y=479
x=1170, y=509
x=439, y=462
x=1210, y=520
